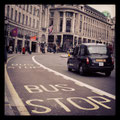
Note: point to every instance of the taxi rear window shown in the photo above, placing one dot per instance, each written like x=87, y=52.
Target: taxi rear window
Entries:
x=97, y=49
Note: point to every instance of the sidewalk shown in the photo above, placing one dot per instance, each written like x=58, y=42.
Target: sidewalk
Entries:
x=64, y=55
x=7, y=106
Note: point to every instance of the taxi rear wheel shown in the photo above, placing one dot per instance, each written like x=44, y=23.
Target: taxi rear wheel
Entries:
x=107, y=74
x=69, y=69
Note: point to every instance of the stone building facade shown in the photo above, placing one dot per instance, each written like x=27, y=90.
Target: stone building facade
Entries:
x=29, y=20
x=72, y=25
x=76, y=24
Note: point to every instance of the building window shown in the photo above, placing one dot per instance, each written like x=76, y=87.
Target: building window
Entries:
x=8, y=9
x=23, y=7
x=27, y=8
x=23, y=19
x=34, y=11
x=30, y=22
x=93, y=41
x=12, y=13
x=84, y=18
x=51, y=21
x=15, y=15
x=52, y=5
x=80, y=17
x=79, y=41
x=69, y=14
x=51, y=14
x=43, y=20
x=37, y=24
x=80, y=23
x=33, y=23
x=68, y=25
x=38, y=13
x=26, y=20
x=89, y=41
x=61, y=23
x=80, y=26
x=84, y=40
x=31, y=9
x=19, y=17
x=61, y=14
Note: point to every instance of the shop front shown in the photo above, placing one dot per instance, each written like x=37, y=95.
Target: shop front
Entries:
x=67, y=42
x=19, y=45
x=34, y=45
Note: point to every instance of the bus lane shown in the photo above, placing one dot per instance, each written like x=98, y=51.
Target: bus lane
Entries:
x=45, y=92
x=54, y=95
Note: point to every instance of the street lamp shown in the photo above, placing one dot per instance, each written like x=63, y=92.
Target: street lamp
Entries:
x=7, y=30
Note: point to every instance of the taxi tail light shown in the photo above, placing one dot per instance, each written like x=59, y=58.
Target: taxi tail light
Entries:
x=87, y=61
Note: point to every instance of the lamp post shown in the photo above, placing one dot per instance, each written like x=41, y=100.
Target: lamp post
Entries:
x=7, y=32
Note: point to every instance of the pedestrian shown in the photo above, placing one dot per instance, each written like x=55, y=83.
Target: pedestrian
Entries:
x=54, y=48
x=42, y=48
x=110, y=48
x=10, y=49
x=20, y=50
x=16, y=49
x=23, y=50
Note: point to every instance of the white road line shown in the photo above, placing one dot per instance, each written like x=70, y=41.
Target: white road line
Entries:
x=96, y=90
x=20, y=67
x=18, y=102
x=11, y=67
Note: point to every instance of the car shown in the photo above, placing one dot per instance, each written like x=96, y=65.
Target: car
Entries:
x=91, y=57
x=50, y=49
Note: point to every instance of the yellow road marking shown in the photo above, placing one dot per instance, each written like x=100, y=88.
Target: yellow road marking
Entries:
x=18, y=102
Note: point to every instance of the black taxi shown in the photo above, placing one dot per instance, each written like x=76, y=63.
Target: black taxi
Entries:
x=91, y=57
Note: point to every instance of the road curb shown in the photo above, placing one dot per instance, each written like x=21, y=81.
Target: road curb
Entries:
x=16, y=99
x=7, y=105
x=64, y=56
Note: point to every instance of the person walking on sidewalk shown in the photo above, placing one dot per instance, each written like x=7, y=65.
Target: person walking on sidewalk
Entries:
x=23, y=50
x=54, y=48
x=16, y=49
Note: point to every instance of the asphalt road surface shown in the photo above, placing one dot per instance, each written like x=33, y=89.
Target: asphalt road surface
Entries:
x=42, y=85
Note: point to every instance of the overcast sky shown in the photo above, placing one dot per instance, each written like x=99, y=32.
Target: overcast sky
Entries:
x=105, y=7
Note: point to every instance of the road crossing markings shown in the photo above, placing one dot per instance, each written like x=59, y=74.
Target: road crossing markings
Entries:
x=93, y=89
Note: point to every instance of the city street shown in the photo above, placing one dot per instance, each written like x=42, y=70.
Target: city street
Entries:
x=40, y=84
